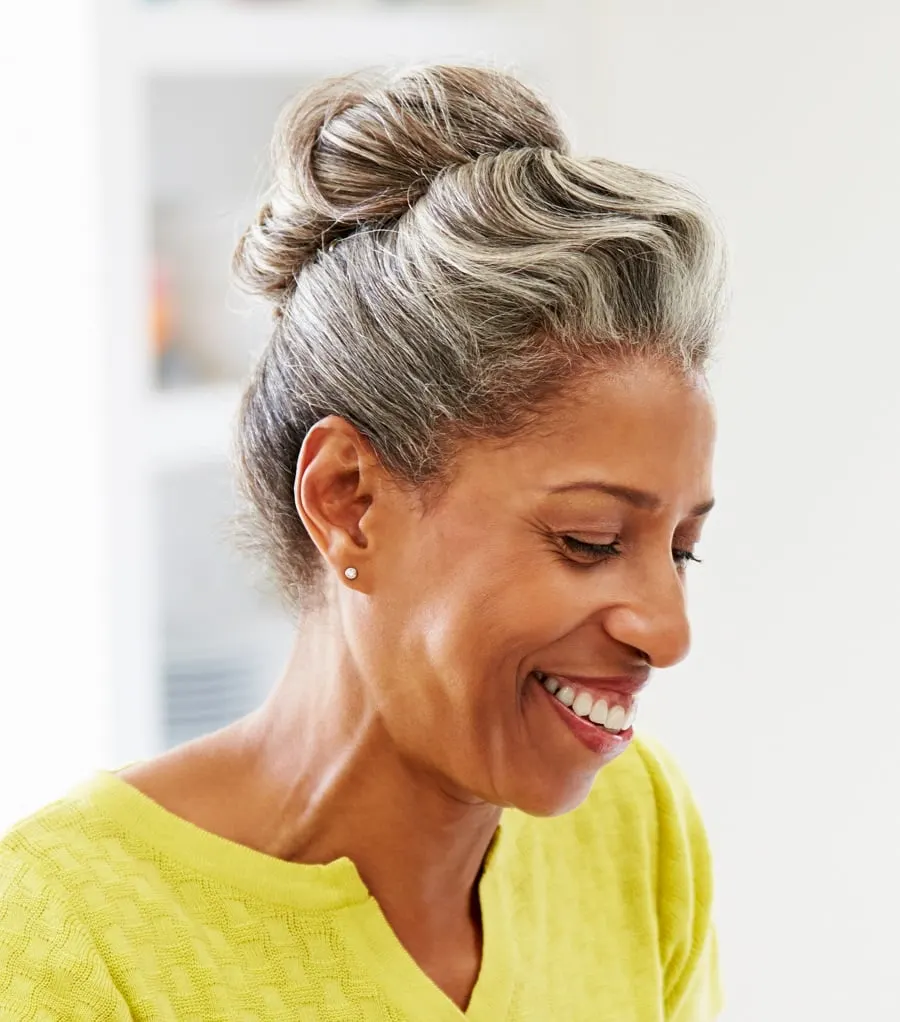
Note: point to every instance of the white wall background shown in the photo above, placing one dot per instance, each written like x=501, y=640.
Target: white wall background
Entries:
x=54, y=688
x=785, y=116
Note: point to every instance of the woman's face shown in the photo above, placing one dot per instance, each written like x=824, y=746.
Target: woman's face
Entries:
x=564, y=554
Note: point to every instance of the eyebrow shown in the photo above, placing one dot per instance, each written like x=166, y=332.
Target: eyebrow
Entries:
x=637, y=498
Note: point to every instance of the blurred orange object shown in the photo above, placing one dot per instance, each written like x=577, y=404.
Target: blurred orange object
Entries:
x=161, y=312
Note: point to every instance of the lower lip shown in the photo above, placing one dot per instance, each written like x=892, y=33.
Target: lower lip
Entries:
x=601, y=742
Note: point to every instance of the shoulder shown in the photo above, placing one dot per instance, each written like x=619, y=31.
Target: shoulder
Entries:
x=69, y=843
x=641, y=813
x=662, y=809
x=50, y=965
x=682, y=860
x=645, y=798
x=680, y=832
x=647, y=771
x=645, y=792
x=642, y=816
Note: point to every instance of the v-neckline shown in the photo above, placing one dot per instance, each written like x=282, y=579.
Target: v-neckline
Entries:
x=336, y=885
x=411, y=989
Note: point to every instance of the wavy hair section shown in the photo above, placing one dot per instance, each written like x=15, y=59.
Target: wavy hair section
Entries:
x=441, y=266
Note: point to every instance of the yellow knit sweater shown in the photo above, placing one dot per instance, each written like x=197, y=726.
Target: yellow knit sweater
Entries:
x=112, y=908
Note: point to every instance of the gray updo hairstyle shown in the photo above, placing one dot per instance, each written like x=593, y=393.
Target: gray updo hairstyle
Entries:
x=440, y=265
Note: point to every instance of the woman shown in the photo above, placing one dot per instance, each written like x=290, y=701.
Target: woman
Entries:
x=478, y=450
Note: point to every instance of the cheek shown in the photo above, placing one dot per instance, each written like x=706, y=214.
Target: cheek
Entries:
x=550, y=601
x=495, y=610
x=464, y=606
x=490, y=635
x=474, y=643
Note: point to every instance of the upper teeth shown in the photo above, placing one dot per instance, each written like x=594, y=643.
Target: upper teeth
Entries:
x=582, y=703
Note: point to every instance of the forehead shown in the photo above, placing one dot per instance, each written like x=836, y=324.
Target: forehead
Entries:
x=644, y=427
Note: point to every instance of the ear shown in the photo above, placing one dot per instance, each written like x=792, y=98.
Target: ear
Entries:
x=336, y=479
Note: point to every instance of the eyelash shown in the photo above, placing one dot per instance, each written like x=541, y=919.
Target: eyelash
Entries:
x=604, y=551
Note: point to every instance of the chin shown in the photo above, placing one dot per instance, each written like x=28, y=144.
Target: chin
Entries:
x=542, y=799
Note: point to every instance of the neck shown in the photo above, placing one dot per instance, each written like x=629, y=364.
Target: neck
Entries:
x=325, y=781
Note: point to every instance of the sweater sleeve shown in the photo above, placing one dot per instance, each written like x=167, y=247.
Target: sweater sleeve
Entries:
x=687, y=935
x=50, y=969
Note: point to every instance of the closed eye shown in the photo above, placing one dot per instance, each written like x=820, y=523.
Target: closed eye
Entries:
x=683, y=556
x=604, y=551
x=599, y=551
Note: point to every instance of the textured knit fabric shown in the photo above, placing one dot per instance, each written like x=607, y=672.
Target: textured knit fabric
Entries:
x=112, y=908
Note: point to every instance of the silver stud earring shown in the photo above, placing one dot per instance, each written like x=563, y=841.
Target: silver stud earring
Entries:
x=350, y=573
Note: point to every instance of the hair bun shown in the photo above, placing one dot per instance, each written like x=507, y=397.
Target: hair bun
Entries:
x=360, y=150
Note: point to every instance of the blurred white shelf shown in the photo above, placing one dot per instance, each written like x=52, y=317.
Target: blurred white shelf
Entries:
x=208, y=37
x=192, y=425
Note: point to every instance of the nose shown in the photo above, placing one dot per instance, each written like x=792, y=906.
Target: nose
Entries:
x=651, y=616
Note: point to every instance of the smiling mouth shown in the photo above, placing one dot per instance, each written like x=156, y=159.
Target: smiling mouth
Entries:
x=613, y=712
